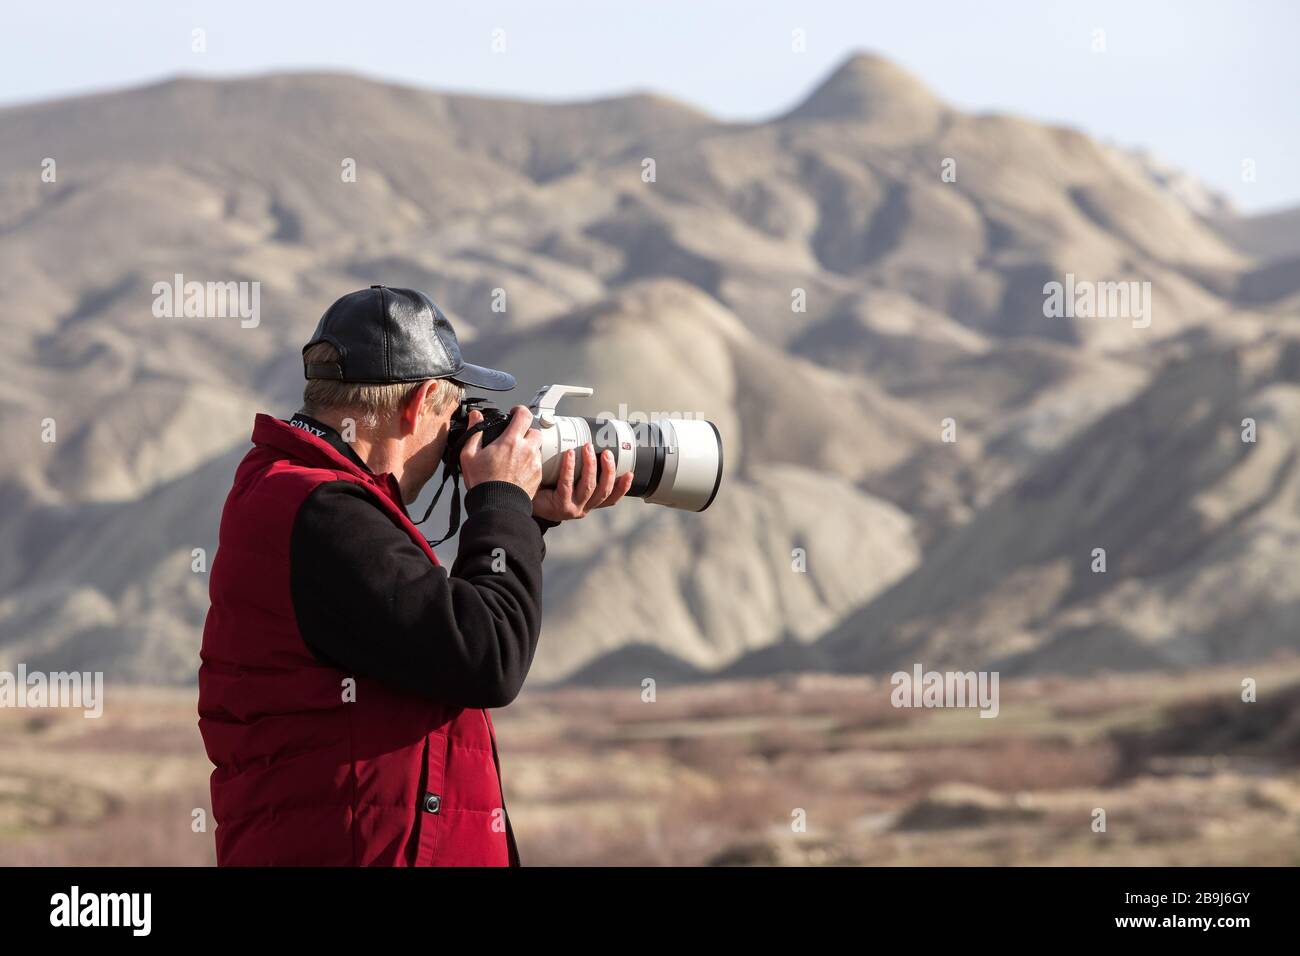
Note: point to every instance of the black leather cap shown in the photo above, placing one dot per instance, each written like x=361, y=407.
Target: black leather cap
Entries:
x=388, y=335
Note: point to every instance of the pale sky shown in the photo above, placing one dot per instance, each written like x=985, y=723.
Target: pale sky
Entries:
x=1202, y=84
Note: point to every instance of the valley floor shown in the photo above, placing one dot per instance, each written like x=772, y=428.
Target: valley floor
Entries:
x=804, y=770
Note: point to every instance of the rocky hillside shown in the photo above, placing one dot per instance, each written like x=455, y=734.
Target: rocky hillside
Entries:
x=839, y=288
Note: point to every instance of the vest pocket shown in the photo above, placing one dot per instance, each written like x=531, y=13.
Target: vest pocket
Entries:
x=430, y=798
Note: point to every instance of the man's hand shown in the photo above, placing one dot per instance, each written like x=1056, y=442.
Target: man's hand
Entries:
x=569, y=500
x=515, y=457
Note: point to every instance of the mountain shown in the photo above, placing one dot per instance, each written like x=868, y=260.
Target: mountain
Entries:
x=838, y=288
x=1269, y=237
x=1197, y=527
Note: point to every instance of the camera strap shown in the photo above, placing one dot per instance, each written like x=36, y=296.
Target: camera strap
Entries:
x=453, y=522
x=451, y=470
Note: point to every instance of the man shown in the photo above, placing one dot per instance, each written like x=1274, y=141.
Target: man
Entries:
x=345, y=675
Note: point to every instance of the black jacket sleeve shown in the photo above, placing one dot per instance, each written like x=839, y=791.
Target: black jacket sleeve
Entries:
x=369, y=601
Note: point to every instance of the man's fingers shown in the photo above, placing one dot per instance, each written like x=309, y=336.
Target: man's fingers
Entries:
x=521, y=419
x=621, y=487
x=564, y=484
x=472, y=444
x=582, y=494
x=606, y=483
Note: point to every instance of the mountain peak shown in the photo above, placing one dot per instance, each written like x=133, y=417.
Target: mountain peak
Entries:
x=868, y=87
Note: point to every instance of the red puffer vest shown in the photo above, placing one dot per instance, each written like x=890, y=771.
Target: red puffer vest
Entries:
x=307, y=773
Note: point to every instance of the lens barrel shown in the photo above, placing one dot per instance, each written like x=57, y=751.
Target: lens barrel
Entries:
x=676, y=462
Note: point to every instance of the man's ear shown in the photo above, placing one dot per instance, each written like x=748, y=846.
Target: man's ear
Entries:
x=416, y=407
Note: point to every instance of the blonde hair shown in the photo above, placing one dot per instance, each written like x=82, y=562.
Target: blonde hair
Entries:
x=368, y=404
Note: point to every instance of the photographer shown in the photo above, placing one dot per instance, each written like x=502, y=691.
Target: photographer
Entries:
x=345, y=674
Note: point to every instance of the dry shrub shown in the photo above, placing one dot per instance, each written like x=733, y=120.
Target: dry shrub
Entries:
x=716, y=755
x=151, y=832
x=1017, y=764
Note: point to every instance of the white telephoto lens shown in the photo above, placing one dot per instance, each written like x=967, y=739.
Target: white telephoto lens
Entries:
x=692, y=471
x=676, y=462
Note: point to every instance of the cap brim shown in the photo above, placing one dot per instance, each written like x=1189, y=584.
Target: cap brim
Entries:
x=480, y=377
